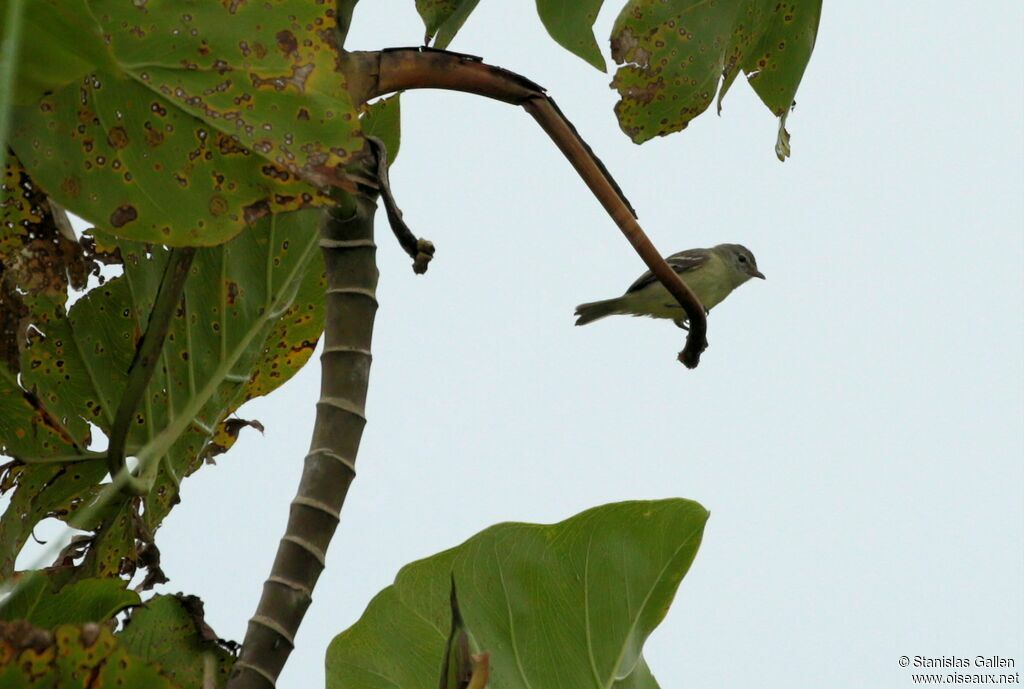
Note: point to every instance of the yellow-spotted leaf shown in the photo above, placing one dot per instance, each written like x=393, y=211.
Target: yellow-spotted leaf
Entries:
x=184, y=133
x=251, y=315
x=674, y=54
x=72, y=656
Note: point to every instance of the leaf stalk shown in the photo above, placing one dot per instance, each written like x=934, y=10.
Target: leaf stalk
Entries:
x=377, y=73
x=147, y=355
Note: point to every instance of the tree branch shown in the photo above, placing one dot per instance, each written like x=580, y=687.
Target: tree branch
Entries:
x=147, y=354
x=373, y=74
x=346, y=239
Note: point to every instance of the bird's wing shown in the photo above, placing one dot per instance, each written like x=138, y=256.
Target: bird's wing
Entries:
x=682, y=262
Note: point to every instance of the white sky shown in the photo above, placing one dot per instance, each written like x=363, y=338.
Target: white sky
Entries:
x=856, y=428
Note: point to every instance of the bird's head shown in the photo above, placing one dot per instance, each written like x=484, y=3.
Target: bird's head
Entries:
x=739, y=258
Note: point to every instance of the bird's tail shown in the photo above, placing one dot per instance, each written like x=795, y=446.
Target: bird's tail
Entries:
x=597, y=309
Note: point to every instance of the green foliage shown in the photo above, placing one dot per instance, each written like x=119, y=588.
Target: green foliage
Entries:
x=65, y=46
x=250, y=318
x=189, y=120
x=42, y=602
x=170, y=123
x=383, y=119
x=72, y=657
x=166, y=633
x=345, y=10
x=560, y=605
x=38, y=263
x=673, y=55
x=137, y=167
x=444, y=18
x=457, y=660
x=778, y=51
x=40, y=491
x=570, y=23
x=10, y=49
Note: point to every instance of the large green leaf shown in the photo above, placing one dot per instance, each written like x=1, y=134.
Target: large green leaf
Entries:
x=72, y=657
x=250, y=318
x=674, y=53
x=183, y=133
x=561, y=605
x=166, y=633
x=571, y=24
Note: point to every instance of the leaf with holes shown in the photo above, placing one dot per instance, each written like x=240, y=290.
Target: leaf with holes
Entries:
x=251, y=315
x=37, y=492
x=559, y=605
x=40, y=258
x=673, y=55
x=39, y=253
x=184, y=133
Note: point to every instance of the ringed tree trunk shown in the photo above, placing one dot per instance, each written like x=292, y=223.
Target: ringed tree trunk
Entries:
x=346, y=239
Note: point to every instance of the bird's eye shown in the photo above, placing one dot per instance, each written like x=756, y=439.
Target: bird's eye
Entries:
x=743, y=259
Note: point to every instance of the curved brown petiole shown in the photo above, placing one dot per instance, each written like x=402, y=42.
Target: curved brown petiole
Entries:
x=376, y=73
x=420, y=250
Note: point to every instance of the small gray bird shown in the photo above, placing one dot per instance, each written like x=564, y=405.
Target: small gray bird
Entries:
x=711, y=274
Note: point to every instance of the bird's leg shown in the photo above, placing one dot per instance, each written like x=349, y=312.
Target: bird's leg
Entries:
x=681, y=322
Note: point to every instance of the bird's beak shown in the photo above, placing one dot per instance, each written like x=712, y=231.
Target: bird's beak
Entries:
x=757, y=274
